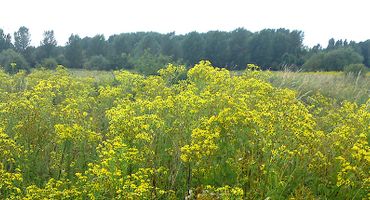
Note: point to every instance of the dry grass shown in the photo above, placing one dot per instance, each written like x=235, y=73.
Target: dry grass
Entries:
x=331, y=84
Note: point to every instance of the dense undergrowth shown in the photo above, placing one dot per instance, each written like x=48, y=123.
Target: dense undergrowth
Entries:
x=197, y=134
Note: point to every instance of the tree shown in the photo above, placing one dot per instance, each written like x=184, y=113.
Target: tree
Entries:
x=338, y=44
x=30, y=55
x=333, y=60
x=170, y=45
x=73, y=52
x=193, y=48
x=337, y=59
x=215, y=48
x=5, y=41
x=150, y=42
x=238, y=48
x=317, y=48
x=22, y=39
x=331, y=44
x=120, y=47
x=96, y=46
x=47, y=45
x=314, y=62
x=273, y=48
x=365, y=51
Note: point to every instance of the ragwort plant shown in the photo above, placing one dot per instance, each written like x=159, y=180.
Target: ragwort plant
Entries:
x=198, y=134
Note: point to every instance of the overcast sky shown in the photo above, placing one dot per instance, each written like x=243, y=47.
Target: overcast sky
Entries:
x=319, y=19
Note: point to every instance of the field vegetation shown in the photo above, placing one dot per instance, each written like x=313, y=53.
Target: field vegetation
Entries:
x=202, y=133
x=352, y=87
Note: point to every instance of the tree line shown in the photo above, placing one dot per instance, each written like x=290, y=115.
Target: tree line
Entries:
x=146, y=52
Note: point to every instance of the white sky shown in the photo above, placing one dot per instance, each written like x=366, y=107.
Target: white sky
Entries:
x=319, y=19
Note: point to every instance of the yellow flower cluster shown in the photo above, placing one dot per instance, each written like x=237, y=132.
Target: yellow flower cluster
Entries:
x=202, y=133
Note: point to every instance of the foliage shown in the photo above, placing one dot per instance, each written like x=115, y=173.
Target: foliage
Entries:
x=149, y=64
x=5, y=41
x=355, y=70
x=12, y=61
x=97, y=62
x=271, y=48
x=274, y=49
x=47, y=46
x=334, y=60
x=207, y=135
x=193, y=47
x=173, y=74
x=22, y=39
x=73, y=52
x=49, y=63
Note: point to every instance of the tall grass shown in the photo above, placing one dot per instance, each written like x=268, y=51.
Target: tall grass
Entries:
x=336, y=85
x=98, y=75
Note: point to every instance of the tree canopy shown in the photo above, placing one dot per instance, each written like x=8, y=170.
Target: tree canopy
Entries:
x=273, y=49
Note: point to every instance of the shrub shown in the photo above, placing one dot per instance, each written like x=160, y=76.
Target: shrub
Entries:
x=173, y=74
x=49, y=63
x=12, y=61
x=333, y=60
x=97, y=62
x=149, y=64
x=355, y=70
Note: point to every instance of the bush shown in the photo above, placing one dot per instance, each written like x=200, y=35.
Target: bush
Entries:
x=333, y=60
x=12, y=61
x=149, y=64
x=97, y=62
x=49, y=63
x=355, y=70
x=173, y=74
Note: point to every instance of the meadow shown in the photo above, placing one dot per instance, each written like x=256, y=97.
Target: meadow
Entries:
x=202, y=133
x=335, y=85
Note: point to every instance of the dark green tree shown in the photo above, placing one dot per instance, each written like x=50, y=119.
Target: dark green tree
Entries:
x=261, y=48
x=317, y=48
x=5, y=41
x=365, y=51
x=150, y=42
x=74, y=52
x=338, y=44
x=47, y=46
x=193, y=48
x=170, y=45
x=96, y=46
x=22, y=39
x=331, y=44
x=215, y=48
x=238, y=49
x=274, y=48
